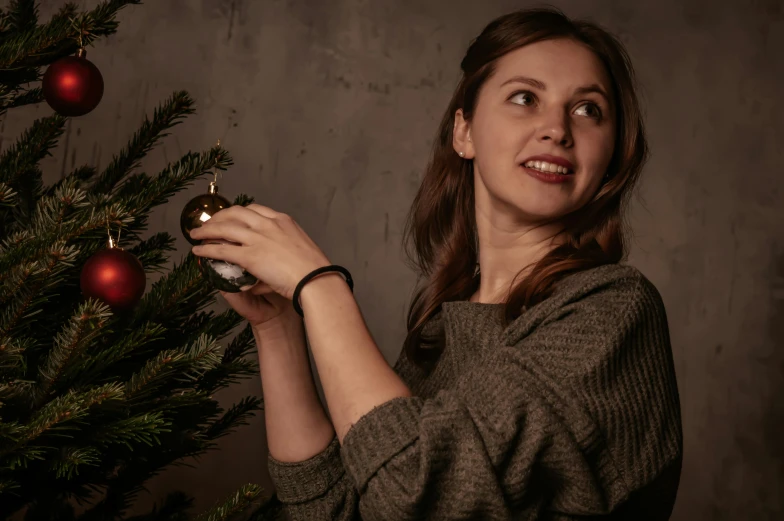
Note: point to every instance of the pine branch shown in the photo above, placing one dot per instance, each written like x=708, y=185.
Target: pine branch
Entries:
x=47, y=225
x=166, y=116
x=216, y=326
x=176, y=177
x=234, y=366
x=238, y=414
x=42, y=275
x=221, y=325
x=10, y=433
x=60, y=37
x=75, y=178
x=175, y=296
x=132, y=474
x=86, y=324
x=142, y=428
x=226, y=374
x=12, y=361
x=62, y=218
x=242, y=345
x=23, y=15
x=243, y=200
x=150, y=252
x=72, y=458
x=133, y=341
x=14, y=389
x=32, y=146
x=155, y=373
x=233, y=505
x=7, y=196
x=59, y=412
x=29, y=187
x=133, y=184
x=185, y=364
x=31, y=96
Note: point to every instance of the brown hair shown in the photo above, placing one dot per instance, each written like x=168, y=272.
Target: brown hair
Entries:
x=441, y=223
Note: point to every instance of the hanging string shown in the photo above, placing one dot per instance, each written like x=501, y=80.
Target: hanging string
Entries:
x=215, y=174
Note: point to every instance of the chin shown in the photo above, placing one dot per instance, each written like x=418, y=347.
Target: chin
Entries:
x=541, y=211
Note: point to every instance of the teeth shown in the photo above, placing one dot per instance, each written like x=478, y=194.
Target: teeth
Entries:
x=544, y=166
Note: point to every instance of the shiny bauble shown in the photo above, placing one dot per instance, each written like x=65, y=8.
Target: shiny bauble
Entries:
x=198, y=211
x=73, y=86
x=225, y=276
x=114, y=277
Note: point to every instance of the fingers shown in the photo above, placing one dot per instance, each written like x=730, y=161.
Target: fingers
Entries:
x=233, y=231
x=261, y=289
x=225, y=252
x=241, y=214
x=265, y=211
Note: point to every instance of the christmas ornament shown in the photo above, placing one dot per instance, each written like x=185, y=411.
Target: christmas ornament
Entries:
x=225, y=276
x=222, y=275
x=73, y=86
x=114, y=277
x=200, y=209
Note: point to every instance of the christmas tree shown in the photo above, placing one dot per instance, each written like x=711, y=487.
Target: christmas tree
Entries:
x=102, y=387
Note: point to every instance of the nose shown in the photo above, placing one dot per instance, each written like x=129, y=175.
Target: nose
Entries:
x=555, y=127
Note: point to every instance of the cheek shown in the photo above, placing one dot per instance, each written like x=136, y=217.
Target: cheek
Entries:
x=496, y=132
x=594, y=151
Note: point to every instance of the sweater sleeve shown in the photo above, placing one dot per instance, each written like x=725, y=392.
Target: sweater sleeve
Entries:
x=571, y=419
x=317, y=489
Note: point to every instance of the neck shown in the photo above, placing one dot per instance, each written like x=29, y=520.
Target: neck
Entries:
x=507, y=251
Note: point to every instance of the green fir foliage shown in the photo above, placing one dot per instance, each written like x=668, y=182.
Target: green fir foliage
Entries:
x=94, y=403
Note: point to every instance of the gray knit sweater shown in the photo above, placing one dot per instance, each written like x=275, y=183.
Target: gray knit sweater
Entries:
x=570, y=412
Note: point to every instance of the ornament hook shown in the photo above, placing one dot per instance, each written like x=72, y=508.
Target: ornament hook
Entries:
x=111, y=242
x=213, y=189
x=81, y=52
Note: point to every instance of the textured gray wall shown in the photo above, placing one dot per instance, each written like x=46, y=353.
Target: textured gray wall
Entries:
x=329, y=109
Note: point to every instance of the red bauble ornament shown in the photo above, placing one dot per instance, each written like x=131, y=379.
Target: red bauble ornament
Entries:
x=115, y=277
x=73, y=86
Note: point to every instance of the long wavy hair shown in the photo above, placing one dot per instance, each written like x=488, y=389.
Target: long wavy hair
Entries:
x=441, y=224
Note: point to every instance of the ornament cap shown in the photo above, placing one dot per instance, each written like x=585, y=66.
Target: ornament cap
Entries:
x=81, y=53
x=213, y=189
x=112, y=244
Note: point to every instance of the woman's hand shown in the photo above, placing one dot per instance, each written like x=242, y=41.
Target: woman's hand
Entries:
x=261, y=306
x=268, y=244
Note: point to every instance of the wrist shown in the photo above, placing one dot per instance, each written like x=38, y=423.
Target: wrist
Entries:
x=285, y=324
x=325, y=285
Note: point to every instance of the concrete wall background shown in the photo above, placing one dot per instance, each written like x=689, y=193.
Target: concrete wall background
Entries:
x=329, y=109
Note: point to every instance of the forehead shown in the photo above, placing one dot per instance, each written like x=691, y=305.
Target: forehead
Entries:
x=559, y=64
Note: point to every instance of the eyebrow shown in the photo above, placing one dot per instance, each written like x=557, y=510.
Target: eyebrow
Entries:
x=593, y=87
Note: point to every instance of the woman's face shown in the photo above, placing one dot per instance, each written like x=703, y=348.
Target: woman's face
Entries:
x=547, y=98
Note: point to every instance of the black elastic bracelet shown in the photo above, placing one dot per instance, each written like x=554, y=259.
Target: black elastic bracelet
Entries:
x=319, y=271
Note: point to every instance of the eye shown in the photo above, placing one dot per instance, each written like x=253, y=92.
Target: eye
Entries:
x=597, y=112
x=522, y=94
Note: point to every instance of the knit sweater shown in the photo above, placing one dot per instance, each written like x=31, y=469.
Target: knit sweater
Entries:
x=570, y=412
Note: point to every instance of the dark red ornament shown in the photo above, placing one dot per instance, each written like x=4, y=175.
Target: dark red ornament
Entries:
x=73, y=86
x=115, y=277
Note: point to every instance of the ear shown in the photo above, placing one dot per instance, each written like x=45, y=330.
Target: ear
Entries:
x=461, y=136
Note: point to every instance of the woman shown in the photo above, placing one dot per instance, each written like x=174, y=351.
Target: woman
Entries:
x=542, y=386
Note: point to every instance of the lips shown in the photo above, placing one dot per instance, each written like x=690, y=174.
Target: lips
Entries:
x=549, y=158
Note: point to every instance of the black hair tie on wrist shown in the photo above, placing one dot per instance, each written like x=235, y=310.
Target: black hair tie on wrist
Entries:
x=319, y=271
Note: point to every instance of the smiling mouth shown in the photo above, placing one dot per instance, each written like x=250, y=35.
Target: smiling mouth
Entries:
x=547, y=168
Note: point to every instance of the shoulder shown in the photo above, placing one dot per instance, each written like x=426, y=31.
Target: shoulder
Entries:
x=613, y=286
x=613, y=294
